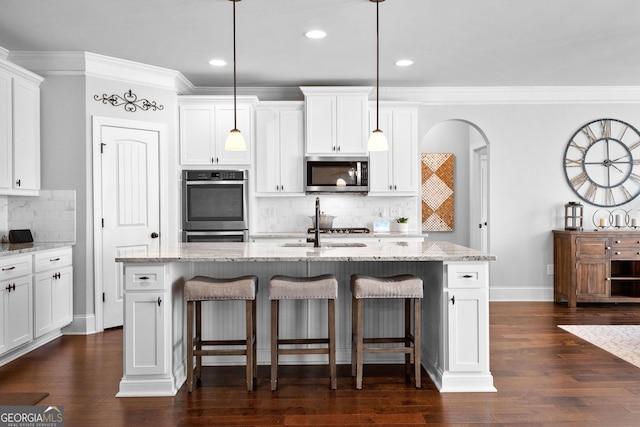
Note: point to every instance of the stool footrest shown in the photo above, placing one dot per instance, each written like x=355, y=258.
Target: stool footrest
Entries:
x=294, y=341
x=387, y=340
x=303, y=351
x=221, y=342
x=219, y=352
x=388, y=350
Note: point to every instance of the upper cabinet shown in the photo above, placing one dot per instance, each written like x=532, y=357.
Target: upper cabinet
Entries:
x=336, y=120
x=205, y=123
x=395, y=172
x=19, y=130
x=279, y=148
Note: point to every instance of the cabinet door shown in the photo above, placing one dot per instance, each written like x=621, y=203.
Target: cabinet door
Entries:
x=144, y=333
x=404, y=146
x=19, y=326
x=592, y=247
x=4, y=300
x=468, y=336
x=291, y=151
x=5, y=132
x=267, y=152
x=321, y=124
x=351, y=124
x=197, y=135
x=43, y=306
x=592, y=278
x=26, y=135
x=223, y=124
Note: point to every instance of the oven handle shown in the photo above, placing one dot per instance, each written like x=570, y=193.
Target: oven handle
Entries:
x=217, y=233
x=240, y=181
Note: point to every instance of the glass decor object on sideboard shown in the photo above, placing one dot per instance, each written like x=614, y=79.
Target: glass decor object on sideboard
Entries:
x=573, y=212
x=633, y=217
x=602, y=219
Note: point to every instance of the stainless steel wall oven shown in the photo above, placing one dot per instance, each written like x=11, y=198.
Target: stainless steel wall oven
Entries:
x=215, y=206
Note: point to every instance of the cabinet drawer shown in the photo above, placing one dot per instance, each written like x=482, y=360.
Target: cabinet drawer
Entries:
x=144, y=277
x=625, y=242
x=625, y=253
x=53, y=259
x=467, y=275
x=15, y=266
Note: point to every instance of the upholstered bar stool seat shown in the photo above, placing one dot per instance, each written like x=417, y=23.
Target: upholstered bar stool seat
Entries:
x=203, y=288
x=286, y=288
x=406, y=286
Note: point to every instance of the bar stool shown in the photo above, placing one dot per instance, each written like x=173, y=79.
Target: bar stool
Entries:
x=202, y=288
x=319, y=287
x=404, y=286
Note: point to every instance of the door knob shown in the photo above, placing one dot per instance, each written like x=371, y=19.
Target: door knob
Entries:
x=154, y=235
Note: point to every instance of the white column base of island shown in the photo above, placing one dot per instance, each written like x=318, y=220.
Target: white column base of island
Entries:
x=455, y=307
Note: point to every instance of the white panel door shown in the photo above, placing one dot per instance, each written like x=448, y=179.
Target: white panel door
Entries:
x=130, y=206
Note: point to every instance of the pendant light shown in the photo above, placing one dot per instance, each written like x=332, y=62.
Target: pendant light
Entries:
x=235, y=141
x=377, y=140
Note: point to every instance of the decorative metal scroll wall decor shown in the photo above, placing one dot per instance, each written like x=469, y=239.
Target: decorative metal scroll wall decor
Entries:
x=437, y=191
x=129, y=100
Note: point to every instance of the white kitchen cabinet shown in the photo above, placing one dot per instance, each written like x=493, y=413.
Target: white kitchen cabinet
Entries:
x=204, y=126
x=154, y=356
x=279, y=149
x=19, y=130
x=336, y=120
x=395, y=172
x=53, y=290
x=16, y=303
x=466, y=349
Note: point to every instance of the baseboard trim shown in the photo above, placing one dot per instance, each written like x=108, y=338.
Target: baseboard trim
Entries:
x=81, y=325
x=520, y=294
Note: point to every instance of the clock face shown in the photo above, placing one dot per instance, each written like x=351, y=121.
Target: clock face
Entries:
x=602, y=162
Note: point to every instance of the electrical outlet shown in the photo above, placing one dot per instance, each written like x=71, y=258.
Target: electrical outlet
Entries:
x=395, y=212
x=382, y=212
x=550, y=269
x=271, y=212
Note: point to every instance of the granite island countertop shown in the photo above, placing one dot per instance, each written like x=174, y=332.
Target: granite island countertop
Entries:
x=8, y=249
x=270, y=252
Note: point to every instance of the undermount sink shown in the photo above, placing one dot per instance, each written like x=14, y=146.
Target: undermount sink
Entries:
x=328, y=244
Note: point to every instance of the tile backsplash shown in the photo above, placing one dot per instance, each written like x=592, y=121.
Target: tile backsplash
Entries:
x=291, y=214
x=51, y=216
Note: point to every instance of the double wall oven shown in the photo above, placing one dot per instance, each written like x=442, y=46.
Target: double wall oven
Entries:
x=214, y=206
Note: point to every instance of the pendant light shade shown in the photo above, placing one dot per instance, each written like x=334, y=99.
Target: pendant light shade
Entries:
x=235, y=141
x=377, y=140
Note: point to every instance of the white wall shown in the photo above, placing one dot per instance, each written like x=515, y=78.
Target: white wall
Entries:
x=527, y=182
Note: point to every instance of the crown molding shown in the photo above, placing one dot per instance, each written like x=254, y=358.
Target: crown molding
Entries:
x=4, y=53
x=263, y=93
x=513, y=95
x=65, y=63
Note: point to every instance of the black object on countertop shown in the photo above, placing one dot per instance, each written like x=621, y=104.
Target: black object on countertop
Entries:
x=20, y=236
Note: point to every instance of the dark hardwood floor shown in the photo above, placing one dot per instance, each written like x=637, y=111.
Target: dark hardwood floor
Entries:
x=544, y=376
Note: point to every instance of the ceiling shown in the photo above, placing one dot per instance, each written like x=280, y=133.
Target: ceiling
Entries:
x=452, y=42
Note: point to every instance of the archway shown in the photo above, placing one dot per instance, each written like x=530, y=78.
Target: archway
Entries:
x=470, y=148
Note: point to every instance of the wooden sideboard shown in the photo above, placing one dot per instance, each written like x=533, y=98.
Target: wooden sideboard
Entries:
x=596, y=266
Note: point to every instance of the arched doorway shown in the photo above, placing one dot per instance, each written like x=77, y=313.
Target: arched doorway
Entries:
x=470, y=147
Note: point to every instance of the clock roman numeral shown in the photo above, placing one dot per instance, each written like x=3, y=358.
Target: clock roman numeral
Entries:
x=608, y=197
x=634, y=146
x=571, y=163
x=579, y=180
x=605, y=128
x=625, y=193
x=590, y=194
x=586, y=131
x=623, y=131
x=574, y=144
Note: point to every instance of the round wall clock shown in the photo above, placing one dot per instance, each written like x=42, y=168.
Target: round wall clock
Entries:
x=602, y=162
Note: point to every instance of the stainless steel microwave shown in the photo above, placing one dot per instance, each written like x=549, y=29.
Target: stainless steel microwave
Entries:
x=336, y=174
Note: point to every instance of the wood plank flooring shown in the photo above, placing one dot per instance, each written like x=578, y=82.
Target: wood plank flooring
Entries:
x=544, y=376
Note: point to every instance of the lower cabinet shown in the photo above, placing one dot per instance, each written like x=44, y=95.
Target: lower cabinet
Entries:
x=53, y=291
x=466, y=350
x=15, y=313
x=36, y=299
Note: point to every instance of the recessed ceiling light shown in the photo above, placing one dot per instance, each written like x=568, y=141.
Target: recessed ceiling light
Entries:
x=218, y=62
x=315, y=34
x=404, y=62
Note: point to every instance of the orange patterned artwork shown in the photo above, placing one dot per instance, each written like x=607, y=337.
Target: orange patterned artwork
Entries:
x=437, y=191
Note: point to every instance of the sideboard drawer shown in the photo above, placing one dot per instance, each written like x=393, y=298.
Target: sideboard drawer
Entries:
x=625, y=253
x=592, y=247
x=625, y=242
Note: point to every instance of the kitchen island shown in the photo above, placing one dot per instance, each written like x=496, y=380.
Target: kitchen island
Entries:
x=455, y=342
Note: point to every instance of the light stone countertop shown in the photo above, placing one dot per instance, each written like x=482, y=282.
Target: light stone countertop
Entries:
x=273, y=252
x=304, y=235
x=8, y=249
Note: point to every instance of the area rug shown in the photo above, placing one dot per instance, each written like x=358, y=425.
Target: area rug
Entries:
x=21, y=399
x=622, y=341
